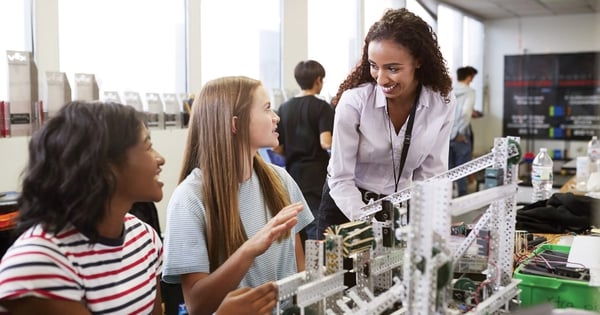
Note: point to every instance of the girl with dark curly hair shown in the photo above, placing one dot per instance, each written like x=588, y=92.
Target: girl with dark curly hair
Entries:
x=79, y=251
x=393, y=117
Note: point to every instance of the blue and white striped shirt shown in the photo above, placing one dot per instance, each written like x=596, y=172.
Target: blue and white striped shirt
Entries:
x=185, y=242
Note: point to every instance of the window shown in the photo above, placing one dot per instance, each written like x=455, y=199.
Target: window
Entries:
x=450, y=37
x=374, y=10
x=240, y=37
x=333, y=42
x=473, y=46
x=461, y=41
x=134, y=45
x=416, y=8
x=14, y=33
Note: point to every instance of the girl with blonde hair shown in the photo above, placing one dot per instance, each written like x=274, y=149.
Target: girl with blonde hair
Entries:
x=233, y=220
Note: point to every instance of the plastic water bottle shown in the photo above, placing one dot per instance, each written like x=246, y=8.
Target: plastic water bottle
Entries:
x=542, y=176
x=593, y=151
x=583, y=173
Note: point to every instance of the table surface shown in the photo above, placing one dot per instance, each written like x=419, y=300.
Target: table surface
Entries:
x=569, y=186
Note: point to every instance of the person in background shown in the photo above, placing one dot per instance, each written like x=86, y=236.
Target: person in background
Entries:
x=79, y=251
x=233, y=220
x=393, y=117
x=461, y=138
x=305, y=136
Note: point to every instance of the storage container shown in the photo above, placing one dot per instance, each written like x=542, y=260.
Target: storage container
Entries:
x=563, y=293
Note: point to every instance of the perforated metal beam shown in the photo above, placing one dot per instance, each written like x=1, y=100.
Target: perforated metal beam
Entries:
x=463, y=170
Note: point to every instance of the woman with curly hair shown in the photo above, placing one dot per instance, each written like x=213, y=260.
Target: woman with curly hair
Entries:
x=393, y=118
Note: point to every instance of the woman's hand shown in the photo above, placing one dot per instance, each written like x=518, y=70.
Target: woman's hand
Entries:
x=277, y=226
x=461, y=138
x=251, y=301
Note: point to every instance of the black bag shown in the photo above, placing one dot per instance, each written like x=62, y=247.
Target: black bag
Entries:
x=562, y=212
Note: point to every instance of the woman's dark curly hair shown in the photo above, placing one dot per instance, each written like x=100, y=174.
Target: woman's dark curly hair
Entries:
x=68, y=179
x=410, y=31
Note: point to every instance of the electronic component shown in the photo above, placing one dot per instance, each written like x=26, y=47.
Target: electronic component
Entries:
x=356, y=236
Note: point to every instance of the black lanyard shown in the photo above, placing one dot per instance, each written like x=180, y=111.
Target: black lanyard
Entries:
x=407, y=137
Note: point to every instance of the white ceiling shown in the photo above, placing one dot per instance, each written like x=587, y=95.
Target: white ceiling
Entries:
x=501, y=9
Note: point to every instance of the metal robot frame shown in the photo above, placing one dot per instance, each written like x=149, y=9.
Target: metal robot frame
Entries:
x=425, y=248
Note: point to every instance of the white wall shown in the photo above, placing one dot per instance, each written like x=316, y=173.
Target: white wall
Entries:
x=14, y=158
x=294, y=38
x=535, y=35
x=171, y=144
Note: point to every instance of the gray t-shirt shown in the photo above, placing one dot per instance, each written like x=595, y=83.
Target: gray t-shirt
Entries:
x=185, y=248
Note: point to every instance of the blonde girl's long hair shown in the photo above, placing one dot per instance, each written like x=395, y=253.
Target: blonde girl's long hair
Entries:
x=221, y=155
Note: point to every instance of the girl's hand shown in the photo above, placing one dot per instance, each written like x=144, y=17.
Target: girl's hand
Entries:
x=250, y=301
x=277, y=226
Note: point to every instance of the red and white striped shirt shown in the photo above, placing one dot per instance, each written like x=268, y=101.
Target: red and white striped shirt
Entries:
x=112, y=276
